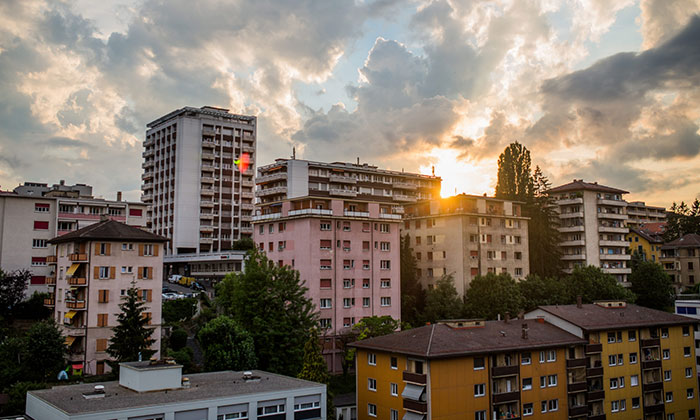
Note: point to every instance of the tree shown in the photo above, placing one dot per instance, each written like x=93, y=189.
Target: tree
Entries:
x=412, y=293
x=375, y=326
x=270, y=303
x=681, y=220
x=537, y=291
x=178, y=339
x=443, y=302
x=179, y=310
x=514, y=179
x=226, y=345
x=543, y=236
x=12, y=357
x=131, y=338
x=45, y=350
x=12, y=287
x=243, y=244
x=592, y=284
x=652, y=286
x=32, y=308
x=314, y=367
x=492, y=295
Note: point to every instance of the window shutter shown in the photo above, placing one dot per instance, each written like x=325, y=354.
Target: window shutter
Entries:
x=107, y=295
x=149, y=295
x=108, y=249
x=112, y=271
x=97, y=248
x=139, y=273
x=97, y=273
x=155, y=250
x=150, y=273
x=140, y=250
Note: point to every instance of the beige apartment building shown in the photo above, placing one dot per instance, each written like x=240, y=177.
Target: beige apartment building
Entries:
x=467, y=236
x=681, y=260
x=94, y=267
x=638, y=214
x=33, y=213
x=592, y=227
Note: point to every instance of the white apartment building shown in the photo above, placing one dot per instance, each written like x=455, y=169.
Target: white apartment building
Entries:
x=33, y=213
x=198, y=196
x=592, y=227
x=639, y=213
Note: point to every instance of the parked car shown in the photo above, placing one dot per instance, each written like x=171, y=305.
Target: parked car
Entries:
x=170, y=296
x=197, y=286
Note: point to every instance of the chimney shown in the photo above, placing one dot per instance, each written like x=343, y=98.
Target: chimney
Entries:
x=358, y=160
x=433, y=170
x=119, y=196
x=579, y=302
x=62, y=182
x=507, y=317
x=524, y=331
x=521, y=315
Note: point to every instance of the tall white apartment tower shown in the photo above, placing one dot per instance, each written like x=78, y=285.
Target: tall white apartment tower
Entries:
x=197, y=194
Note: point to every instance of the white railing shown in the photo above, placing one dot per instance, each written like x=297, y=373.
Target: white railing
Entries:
x=323, y=212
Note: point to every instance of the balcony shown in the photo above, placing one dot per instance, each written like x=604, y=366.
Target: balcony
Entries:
x=147, y=198
x=341, y=179
x=569, y=201
x=405, y=198
x=416, y=378
x=405, y=185
x=504, y=397
x=574, y=363
x=596, y=395
x=617, y=203
x=207, y=216
x=615, y=216
x=248, y=194
x=206, y=240
x=579, y=242
x=574, y=215
x=208, y=142
x=653, y=386
x=653, y=408
x=573, y=257
x=51, y=259
x=594, y=371
x=78, y=257
x=208, y=155
x=389, y=216
x=611, y=229
x=148, y=153
x=206, y=179
x=207, y=192
x=72, y=331
x=617, y=270
x=50, y=280
x=615, y=257
x=267, y=216
x=651, y=364
x=271, y=191
x=148, y=164
x=247, y=206
x=77, y=281
x=497, y=371
x=146, y=176
x=594, y=348
x=566, y=229
x=49, y=302
x=650, y=342
x=246, y=229
x=248, y=149
x=206, y=203
x=342, y=193
x=577, y=387
x=206, y=228
x=578, y=410
x=356, y=213
x=75, y=304
x=596, y=417
x=208, y=132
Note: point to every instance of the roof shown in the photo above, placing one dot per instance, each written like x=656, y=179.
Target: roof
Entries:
x=579, y=184
x=657, y=228
x=442, y=341
x=593, y=317
x=344, y=400
x=109, y=230
x=649, y=236
x=203, y=386
x=690, y=240
x=205, y=110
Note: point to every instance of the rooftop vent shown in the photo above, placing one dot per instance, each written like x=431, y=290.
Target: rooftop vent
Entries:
x=249, y=377
x=611, y=303
x=462, y=323
x=97, y=392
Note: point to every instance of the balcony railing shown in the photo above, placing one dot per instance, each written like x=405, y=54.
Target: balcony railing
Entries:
x=594, y=348
x=51, y=259
x=75, y=304
x=651, y=364
x=573, y=363
x=578, y=410
x=594, y=371
x=416, y=378
x=342, y=193
x=49, y=302
x=596, y=395
x=504, y=370
x=505, y=397
x=77, y=281
x=420, y=407
x=650, y=342
x=405, y=198
x=78, y=257
x=343, y=179
x=577, y=387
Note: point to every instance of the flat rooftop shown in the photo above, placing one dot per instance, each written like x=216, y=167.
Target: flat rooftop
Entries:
x=203, y=386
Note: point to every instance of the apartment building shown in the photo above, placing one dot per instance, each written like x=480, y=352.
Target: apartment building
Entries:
x=592, y=227
x=158, y=391
x=33, y=213
x=640, y=363
x=645, y=243
x=338, y=225
x=689, y=305
x=198, y=167
x=638, y=213
x=94, y=267
x=681, y=260
x=467, y=236
x=472, y=369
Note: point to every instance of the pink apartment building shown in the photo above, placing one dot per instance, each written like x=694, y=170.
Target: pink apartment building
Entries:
x=338, y=225
x=95, y=266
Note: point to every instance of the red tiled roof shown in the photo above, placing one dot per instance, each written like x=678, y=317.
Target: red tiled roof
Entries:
x=109, y=230
x=593, y=317
x=690, y=240
x=442, y=341
x=656, y=228
x=578, y=185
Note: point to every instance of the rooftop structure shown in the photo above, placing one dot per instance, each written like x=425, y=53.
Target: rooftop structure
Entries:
x=638, y=213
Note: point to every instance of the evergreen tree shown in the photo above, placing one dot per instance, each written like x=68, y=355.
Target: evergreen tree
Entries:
x=270, y=303
x=12, y=287
x=131, y=338
x=226, y=345
x=592, y=284
x=412, y=293
x=45, y=350
x=514, y=178
x=652, y=286
x=314, y=367
x=682, y=220
x=492, y=295
x=443, y=302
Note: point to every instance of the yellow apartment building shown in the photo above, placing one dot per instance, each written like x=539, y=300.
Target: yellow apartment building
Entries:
x=640, y=362
x=473, y=369
x=647, y=244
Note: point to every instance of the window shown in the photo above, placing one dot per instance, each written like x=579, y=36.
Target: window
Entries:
x=479, y=363
x=39, y=243
x=271, y=228
x=623, y=405
x=102, y=320
x=526, y=358
x=384, y=228
x=686, y=351
x=666, y=354
x=690, y=393
x=633, y=358
x=553, y=405
x=632, y=335
x=394, y=363
x=620, y=360
x=325, y=225
x=480, y=415
x=543, y=381
x=326, y=303
x=262, y=229
x=372, y=409
x=103, y=296
x=691, y=414
x=551, y=355
x=270, y=409
x=669, y=397
x=371, y=384
x=527, y=384
x=385, y=265
x=635, y=402
x=542, y=357
x=479, y=390
x=365, y=283
x=386, y=283
x=612, y=360
x=621, y=379
x=348, y=283
x=667, y=375
x=527, y=409
x=385, y=301
x=326, y=283
x=384, y=246
x=346, y=226
x=148, y=250
x=41, y=225
x=664, y=332
x=325, y=323
x=348, y=302
x=365, y=264
x=394, y=389
x=38, y=261
x=101, y=344
x=394, y=415
x=614, y=406
x=613, y=383
x=325, y=265
x=634, y=380
x=688, y=372
x=686, y=331
x=372, y=359
x=611, y=337
x=543, y=406
x=127, y=247
x=552, y=380
x=365, y=302
x=348, y=264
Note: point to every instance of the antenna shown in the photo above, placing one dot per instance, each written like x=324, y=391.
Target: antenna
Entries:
x=294, y=152
x=433, y=170
x=358, y=160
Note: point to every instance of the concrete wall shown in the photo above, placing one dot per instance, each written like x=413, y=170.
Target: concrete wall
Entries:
x=187, y=184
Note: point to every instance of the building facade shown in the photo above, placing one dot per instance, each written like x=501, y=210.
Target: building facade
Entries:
x=199, y=165
x=466, y=236
x=34, y=213
x=645, y=243
x=338, y=225
x=681, y=260
x=689, y=305
x=638, y=360
x=638, y=213
x=592, y=227
x=94, y=267
x=158, y=391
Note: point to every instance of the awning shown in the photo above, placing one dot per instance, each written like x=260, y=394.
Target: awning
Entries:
x=69, y=341
x=77, y=366
x=413, y=416
x=414, y=392
x=70, y=314
x=73, y=268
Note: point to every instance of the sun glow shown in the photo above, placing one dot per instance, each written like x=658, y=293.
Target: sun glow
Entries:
x=461, y=176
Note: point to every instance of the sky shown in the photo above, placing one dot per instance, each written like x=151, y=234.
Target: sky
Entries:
x=607, y=91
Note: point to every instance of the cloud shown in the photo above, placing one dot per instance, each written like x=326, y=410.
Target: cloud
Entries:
x=661, y=19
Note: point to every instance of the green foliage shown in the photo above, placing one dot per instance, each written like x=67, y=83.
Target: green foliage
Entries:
x=514, y=179
x=226, y=345
x=270, y=303
x=314, y=367
x=652, y=286
x=243, y=244
x=179, y=310
x=11, y=361
x=18, y=397
x=537, y=291
x=412, y=293
x=32, y=308
x=184, y=357
x=12, y=287
x=491, y=295
x=592, y=284
x=132, y=336
x=682, y=219
x=375, y=326
x=178, y=339
x=443, y=302
x=45, y=349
